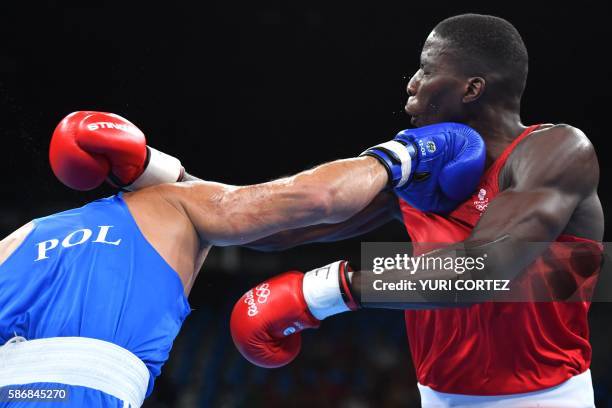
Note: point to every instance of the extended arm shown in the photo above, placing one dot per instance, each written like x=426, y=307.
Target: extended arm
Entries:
x=383, y=208
x=230, y=215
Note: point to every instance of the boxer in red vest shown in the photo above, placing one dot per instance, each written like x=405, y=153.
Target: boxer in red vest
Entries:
x=540, y=185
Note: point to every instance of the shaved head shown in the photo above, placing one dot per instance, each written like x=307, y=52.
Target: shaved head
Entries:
x=487, y=46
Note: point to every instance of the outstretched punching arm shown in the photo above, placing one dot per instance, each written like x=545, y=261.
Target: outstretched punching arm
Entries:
x=231, y=215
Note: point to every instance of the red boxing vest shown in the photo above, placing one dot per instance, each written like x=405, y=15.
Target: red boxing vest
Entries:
x=497, y=348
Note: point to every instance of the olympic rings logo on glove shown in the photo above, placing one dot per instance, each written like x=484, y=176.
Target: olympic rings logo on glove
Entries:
x=262, y=292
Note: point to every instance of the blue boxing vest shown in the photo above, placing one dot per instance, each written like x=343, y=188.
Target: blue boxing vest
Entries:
x=90, y=272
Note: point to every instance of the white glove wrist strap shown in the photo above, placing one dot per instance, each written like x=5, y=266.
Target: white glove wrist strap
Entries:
x=322, y=293
x=162, y=168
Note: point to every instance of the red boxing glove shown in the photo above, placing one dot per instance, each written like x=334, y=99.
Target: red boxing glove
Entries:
x=267, y=320
x=88, y=147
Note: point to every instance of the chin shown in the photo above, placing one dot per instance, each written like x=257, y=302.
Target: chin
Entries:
x=418, y=121
x=414, y=118
x=425, y=121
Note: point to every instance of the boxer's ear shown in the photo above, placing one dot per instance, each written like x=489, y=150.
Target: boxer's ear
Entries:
x=474, y=89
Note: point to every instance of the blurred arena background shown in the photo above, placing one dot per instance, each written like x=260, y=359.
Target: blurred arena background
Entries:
x=244, y=92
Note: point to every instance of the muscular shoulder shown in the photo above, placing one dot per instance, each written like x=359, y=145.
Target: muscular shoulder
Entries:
x=158, y=214
x=559, y=156
x=555, y=140
x=167, y=229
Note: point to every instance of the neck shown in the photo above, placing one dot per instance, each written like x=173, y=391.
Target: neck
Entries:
x=498, y=126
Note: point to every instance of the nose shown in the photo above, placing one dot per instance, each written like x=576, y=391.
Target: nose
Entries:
x=412, y=86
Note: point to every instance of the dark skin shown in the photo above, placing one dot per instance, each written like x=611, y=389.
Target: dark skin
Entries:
x=548, y=186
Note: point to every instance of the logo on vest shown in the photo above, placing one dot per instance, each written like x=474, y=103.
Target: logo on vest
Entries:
x=78, y=237
x=482, y=202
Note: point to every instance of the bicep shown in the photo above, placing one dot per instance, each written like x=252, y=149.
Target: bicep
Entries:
x=534, y=215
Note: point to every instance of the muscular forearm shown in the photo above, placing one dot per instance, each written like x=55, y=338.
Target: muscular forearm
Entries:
x=330, y=193
x=341, y=188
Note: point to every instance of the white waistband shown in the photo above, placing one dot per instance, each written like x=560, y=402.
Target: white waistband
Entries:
x=76, y=361
x=577, y=392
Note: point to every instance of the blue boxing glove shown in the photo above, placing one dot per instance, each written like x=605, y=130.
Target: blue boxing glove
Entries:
x=433, y=168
